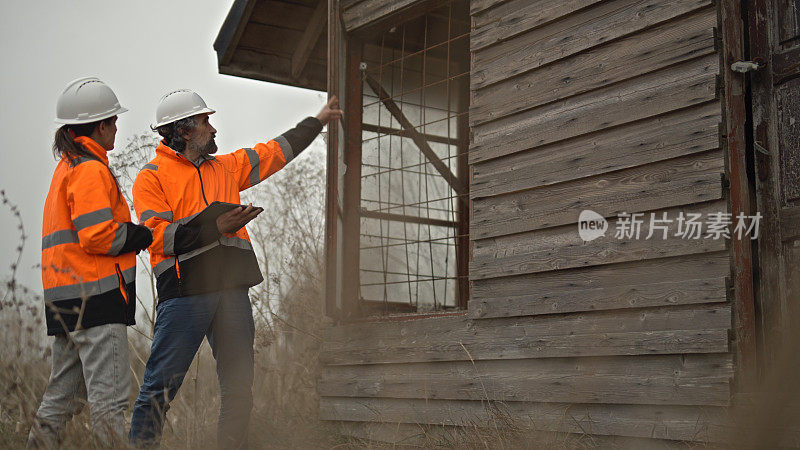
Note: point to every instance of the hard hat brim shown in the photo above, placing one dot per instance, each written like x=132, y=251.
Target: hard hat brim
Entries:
x=208, y=111
x=97, y=118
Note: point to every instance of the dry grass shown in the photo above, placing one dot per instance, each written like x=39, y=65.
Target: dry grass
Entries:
x=285, y=401
x=284, y=414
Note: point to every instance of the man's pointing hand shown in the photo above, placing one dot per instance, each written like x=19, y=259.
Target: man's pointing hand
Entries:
x=330, y=111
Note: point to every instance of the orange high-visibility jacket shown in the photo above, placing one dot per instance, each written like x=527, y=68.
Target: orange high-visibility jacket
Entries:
x=83, y=232
x=171, y=190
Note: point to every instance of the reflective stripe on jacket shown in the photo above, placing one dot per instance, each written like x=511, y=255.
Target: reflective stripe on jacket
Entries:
x=170, y=190
x=83, y=231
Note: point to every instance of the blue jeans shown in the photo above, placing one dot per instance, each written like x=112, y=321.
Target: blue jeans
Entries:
x=226, y=319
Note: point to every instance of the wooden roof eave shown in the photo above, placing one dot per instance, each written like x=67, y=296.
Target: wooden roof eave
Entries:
x=263, y=61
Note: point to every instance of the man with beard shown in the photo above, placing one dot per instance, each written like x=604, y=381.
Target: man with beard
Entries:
x=204, y=270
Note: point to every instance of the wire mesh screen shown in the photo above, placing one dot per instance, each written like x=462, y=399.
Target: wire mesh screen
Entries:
x=415, y=75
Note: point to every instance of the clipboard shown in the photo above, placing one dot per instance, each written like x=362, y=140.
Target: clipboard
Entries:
x=208, y=216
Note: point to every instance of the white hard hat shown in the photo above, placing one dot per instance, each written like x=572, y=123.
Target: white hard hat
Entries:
x=87, y=100
x=180, y=104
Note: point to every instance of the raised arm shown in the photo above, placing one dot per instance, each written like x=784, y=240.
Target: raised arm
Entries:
x=258, y=163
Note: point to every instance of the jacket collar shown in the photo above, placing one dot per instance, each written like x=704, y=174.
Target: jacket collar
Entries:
x=167, y=152
x=93, y=147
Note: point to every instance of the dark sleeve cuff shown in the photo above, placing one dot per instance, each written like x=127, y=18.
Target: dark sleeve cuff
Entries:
x=138, y=238
x=188, y=238
x=299, y=138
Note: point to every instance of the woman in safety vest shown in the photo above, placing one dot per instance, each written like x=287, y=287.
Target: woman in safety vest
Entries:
x=89, y=247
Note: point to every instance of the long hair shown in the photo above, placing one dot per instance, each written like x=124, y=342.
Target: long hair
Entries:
x=64, y=144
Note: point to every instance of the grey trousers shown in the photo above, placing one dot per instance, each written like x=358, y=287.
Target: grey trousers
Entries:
x=91, y=366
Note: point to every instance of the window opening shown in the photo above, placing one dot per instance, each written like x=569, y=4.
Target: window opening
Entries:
x=414, y=202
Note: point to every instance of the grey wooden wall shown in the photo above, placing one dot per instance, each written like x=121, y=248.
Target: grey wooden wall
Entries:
x=575, y=104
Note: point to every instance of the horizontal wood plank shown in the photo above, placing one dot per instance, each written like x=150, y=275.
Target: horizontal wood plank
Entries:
x=656, y=93
x=368, y=12
x=703, y=265
x=477, y=6
x=620, y=60
x=684, y=329
x=563, y=248
x=260, y=38
x=462, y=330
x=280, y=14
x=703, y=380
x=402, y=434
x=659, y=422
x=657, y=186
x=518, y=16
x=424, y=436
x=274, y=69
x=444, y=327
x=566, y=238
x=593, y=253
x=561, y=346
x=577, y=32
x=672, y=135
x=675, y=366
x=682, y=292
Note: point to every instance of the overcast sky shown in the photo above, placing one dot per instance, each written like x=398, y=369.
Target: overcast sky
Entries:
x=142, y=49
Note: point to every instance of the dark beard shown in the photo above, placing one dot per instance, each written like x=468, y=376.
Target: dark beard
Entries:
x=210, y=148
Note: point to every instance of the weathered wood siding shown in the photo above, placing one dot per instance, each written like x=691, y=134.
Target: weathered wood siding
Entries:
x=575, y=104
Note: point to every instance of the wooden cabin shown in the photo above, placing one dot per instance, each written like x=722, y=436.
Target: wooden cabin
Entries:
x=476, y=132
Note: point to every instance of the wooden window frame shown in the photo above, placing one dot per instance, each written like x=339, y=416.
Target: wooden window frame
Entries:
x=343, y=212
